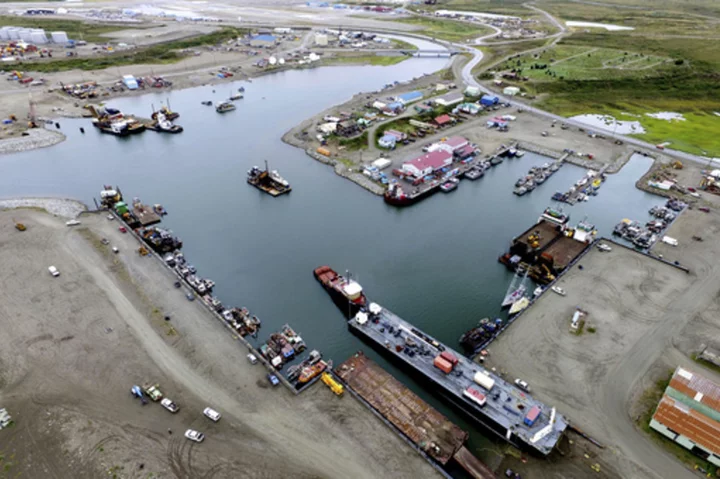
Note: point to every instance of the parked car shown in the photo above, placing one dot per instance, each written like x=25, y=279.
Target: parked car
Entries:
x=54, y=271
x=522, y=385
x=252, y=358
x=212, y=414
x=194, y=435
x=169, y=405
x=512, y=474
x=72, y=223
x=122, y=229
x=273, y=379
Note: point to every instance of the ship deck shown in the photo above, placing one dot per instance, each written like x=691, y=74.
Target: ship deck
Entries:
x=548, y=232
x=506, y=405
x=416, y=419
x=145, y=215
x=564, y=251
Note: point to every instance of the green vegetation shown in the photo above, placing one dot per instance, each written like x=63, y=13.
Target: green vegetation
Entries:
x=450, y=30
x=155, y=54
x=75, y=29
x=369, y=59
x=592, y=329
x=495, y=53
x=403, y=45
x=354, y=144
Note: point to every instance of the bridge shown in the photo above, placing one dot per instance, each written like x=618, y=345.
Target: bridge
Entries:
x=430, y=53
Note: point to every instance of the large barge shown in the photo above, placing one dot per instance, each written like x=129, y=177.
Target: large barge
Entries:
x=268, y=181
x=345, y=292
x=548, y=247
x=489, y=400
x=424, y=426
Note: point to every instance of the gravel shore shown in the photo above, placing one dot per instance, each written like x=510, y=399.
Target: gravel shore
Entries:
x=35, y=138
x=65, y=208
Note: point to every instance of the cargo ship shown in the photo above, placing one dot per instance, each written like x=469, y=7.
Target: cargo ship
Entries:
x=496, y=405
x=268, y=181
x=345, y=292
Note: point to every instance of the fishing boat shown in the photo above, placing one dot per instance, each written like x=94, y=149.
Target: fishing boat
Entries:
x=163, y=124
x=449, y=185
x=520, y=190
x=117, y=128
x=345, y=292
x=555, y=166
x=236, y=96
x=495, y=160
x=558, y=290
x=530, y=185
x=519, y=154
x=474, y=173
x=159, y=209
x=166, y=112
x=520, y=182
x=224, y=106
x=540, y=178
x=554, y=215
x=514, y=296
x=309, y=372
x=519, y=305
x=268, y=181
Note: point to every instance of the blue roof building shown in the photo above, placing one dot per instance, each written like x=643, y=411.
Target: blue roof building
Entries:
x=263, y=40
x=387, y=141
x=409, y=97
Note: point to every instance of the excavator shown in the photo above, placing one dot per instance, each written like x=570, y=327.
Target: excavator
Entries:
x=19, y=226
x=534, y=239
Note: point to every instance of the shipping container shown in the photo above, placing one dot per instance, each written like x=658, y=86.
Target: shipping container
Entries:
x=442, y=365
x=532, y=416
x=449, y=357
x=323, y=151
x=484, y=380
x=475, y=396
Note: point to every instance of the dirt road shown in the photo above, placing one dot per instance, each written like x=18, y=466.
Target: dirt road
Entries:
x=72, y=346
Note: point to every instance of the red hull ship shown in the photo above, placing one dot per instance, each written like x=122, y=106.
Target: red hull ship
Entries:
x=345, y=292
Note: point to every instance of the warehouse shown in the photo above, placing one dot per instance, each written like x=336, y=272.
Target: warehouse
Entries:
x=689, y=414
x=409, y=97
x=428, y=163
x=263, y=41
x=449, y=99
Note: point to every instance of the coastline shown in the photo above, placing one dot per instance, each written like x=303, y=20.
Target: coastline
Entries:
x=35, y=138
x=63, y=207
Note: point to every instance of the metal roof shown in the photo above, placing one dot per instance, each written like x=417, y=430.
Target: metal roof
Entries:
x=696, y=387
x=690, y=423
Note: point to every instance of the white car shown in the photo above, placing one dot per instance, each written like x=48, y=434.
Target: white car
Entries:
x=522, y=385
x=252, y=358
x=604, y=247
x=54, y=271
x=110, y=217
x=212, y=414
x=115, y=249
x=169, y=405
x=72, y=223
x=194, y=435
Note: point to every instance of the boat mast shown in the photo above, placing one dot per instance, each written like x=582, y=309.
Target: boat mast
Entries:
x=266, y=166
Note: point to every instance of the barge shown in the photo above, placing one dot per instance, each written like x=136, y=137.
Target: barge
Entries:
x=424, y=426
x=345, y=292
x=268, y=181
x=490, y=401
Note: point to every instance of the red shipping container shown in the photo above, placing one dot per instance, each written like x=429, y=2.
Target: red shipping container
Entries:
x=442, y=364
x=449, y=357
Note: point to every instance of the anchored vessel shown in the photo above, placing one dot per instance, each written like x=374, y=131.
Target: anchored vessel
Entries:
x=488, y=399
x=345, y=292
x=268, y=181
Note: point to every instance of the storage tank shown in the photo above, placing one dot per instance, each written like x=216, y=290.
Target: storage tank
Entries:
x=484, y=380
x=59, y=37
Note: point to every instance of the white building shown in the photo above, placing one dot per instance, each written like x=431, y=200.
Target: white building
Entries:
x=59, y=37
x=321, y=40
x=511, y=91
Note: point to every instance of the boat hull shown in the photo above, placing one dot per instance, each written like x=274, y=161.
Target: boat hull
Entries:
x=347, y=307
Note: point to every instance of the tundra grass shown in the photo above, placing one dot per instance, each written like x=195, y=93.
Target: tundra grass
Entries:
x=449, y=30
x=369, y=59
x=75, y=29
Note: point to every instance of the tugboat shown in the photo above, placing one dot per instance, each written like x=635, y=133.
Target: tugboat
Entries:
x=345, y=292
x=224, y=106
x=309, y=372
x=163, y=124
x=268, y=181
x=166, y=112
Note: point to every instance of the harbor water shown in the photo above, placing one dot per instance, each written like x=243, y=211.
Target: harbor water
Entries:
x=434, y=264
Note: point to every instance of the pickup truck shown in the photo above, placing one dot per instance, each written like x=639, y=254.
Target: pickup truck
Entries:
x=153, y=391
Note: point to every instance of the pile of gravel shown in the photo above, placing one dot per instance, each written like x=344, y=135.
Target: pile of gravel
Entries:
x=55, y=206
x=36, y=138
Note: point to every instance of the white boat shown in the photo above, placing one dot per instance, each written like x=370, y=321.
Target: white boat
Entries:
x=236, y=96
x=558, y=290
x=519, y=154
x=519, y=305
x=582, y=181
x=275, y=176
x=514, y=296
x=538, y=291
x=224, y=106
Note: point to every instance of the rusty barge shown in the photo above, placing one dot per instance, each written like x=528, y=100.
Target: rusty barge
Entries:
x=426, y=428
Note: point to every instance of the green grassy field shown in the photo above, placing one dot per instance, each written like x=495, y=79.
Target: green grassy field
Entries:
x=368, y=59
x=75, y=29
x=156, y=54
x=450, y=30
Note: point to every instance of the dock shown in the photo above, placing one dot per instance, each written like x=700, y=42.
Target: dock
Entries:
x=144, y=214
x=487, y=399
x=427, y=429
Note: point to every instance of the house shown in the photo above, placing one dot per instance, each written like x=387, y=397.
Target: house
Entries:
x=451, y=145
x=263, y=41
x=428, y=163
x=511, y=91
x=327, y=128
x=449, y=99
x=489, y=100
x=378, y=105
x=472, y=91
x=347, y=128
x=689, y=414
x=387, y=141
x=422, y=108
x=443, y=120
x=470, y=108
x=465, y=152
x=396, y=107
x=399, y=135
x=409, y=97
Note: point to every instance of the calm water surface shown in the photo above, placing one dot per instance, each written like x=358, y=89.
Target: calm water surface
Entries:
x=435, y=264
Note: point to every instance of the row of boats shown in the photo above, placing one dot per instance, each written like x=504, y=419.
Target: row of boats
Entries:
x=112, y=121
x=225, y=106
x=644, y=236
x=585, y=187
x=536, y=176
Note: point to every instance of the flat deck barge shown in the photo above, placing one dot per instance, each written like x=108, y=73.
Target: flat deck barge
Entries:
x=492, y=402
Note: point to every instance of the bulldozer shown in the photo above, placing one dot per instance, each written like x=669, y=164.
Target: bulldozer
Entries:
x=677, y=165
x=534, y=239
x=20, y=226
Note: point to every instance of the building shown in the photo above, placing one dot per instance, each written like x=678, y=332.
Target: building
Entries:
x=470, y=108
x=396, y=107
x=472, y=91
x=387, y=141
x=689, y=414
x=511, y=91
x=449, y=99
x=428, y=163
x=409, y=97
x=321, y=40
x=130, y=82
x=263, y=41
x=59, y=37
x=489, y=100
x=451, y=145
x=443, y=120
x=399, y=135
x=347, y=128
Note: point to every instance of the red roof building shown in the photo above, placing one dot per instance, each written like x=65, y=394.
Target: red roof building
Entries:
x=443, y=120
x=457, y=142
x=428, y=163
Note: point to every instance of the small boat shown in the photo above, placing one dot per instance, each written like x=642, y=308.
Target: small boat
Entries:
x=530, y=185
x=582, y=181
x=514, y=296
x=596, y=183
x=520, y=182
x=309, y=372
x=555, y=166
x=558, y=290
x=540, y=178
x=519, y=154
x=224, y=106
x=558, y=196
x=159, y=210
x=520, y=190
x=519, y=305
x=241, y=89
x=538, y=291
x=474, y=173
x=511, y=152
x=603, y=247
x=449, y=185
x=206, y=103
x=236, y=96
x=495, y=160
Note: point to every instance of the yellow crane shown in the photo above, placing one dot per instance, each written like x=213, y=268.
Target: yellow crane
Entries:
x=334, y=386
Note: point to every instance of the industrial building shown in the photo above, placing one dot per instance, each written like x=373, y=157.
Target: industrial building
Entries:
x=449, y=99
x=428, y=163
x=409, y=97
x=263, y=41
x=689, y=414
